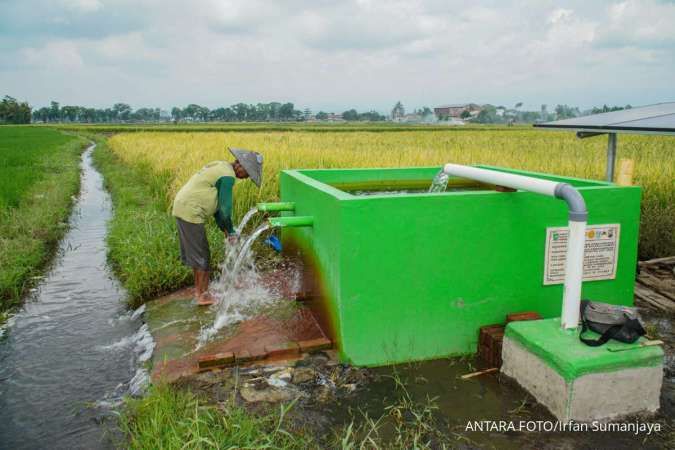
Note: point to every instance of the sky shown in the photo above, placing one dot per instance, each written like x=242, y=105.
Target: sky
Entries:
x=334, y=55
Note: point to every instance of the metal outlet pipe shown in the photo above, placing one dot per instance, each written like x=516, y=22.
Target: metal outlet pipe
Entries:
x=276, y=206
x=578, y=216
x=291, y=221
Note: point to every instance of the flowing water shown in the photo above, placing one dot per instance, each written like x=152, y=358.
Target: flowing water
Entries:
x=440, y=182
x=251, y=212
x=239, y=291
x=73, y=350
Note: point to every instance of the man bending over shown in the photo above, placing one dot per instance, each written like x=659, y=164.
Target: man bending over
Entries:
x=209, y=193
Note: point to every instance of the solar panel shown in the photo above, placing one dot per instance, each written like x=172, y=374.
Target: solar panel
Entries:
x=658, y=118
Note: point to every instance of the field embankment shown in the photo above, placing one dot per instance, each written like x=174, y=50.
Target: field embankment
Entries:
x=39, y=174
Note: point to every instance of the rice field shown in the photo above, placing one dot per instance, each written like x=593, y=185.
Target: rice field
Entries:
x=39, y=174
x=24, y=160
x=176, y=156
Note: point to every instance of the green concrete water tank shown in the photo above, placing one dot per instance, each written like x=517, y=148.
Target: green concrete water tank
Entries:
x=401, y=276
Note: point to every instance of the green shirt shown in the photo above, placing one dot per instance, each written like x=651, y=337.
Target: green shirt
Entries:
x=207, y=193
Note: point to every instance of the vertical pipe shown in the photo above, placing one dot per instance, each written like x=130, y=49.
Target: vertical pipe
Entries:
x=574, y=266
x=611, y=156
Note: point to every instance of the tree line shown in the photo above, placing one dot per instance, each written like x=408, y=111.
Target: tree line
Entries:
x=503, y=115
x=12, y=111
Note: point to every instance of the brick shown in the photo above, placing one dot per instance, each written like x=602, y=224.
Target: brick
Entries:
x=489, y=330
x=215, y=360
x=528, y=315
x=490, y=339
x=314, y=345
x=285, y=350
x=246, y=356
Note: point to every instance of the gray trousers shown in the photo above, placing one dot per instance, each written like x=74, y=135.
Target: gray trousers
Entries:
x=194, y=247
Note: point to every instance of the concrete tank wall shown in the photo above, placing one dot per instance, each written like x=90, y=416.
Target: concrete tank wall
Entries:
x=413, y=276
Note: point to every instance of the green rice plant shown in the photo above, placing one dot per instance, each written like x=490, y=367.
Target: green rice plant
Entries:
x=23, y=160
x=39, y=175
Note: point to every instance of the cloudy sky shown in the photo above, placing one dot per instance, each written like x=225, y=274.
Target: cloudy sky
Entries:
x=334, y=55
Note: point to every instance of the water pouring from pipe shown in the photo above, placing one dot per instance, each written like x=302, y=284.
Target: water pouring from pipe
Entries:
x=440, y=182
x=239, y=291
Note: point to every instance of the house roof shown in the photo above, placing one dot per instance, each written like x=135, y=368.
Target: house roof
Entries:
x=455, y=105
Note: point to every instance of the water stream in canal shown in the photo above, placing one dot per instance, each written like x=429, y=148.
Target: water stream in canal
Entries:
x=73, y=350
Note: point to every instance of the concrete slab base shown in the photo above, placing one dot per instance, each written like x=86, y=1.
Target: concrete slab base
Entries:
x=581, y=383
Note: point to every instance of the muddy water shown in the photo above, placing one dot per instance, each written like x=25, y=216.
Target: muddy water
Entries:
x=73, y=350
x=434, y=391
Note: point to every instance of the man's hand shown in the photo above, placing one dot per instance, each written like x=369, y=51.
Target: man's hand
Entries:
x=232, y=238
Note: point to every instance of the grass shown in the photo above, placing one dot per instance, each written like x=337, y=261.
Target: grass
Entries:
x=174, y=418
x=142, y=239
x=39, y=174
x=22, y=152
x=169, y=418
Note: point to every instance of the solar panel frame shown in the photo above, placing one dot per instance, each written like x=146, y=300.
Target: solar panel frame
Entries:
x=653, y=119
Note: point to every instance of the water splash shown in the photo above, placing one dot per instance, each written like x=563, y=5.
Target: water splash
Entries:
x=239, y=291
x=141, y=341
x=440, y=182
x=245, y=251
x=251, y=212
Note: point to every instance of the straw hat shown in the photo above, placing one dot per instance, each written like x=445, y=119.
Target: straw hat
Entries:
x=252, y=162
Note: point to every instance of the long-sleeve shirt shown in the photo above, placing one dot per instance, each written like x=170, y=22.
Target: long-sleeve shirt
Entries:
x=223, y=214
x=207, y=193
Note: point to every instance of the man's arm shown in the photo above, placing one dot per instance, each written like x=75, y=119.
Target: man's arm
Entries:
x=223, y=214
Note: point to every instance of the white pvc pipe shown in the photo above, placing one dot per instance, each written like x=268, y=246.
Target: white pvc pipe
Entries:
x=574, y=267
x=513, y=181
x=576, y=239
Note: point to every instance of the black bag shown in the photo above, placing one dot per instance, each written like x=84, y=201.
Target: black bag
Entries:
x=611, y=322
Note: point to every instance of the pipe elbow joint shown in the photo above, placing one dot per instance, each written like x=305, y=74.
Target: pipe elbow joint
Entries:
x=575, y=202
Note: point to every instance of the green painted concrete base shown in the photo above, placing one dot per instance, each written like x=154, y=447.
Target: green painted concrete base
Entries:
x=578, y=382
x=564, y=353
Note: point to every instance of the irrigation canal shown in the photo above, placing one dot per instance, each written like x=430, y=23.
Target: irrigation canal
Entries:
x=73, y=350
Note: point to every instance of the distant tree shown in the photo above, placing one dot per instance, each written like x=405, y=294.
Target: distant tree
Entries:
x=606, y=108
x=321, y=115
x=397, y=112
x=42, y=114
x=488, y=114
x=465, y=114
x=286, y=111
x=54, y=112
x=12, y=111
x=122, y=111
x=70, y=113
x=176, y=114
x=566, y=112
x=274, y=109
x=371, y=116
x=351, y=115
